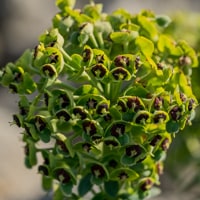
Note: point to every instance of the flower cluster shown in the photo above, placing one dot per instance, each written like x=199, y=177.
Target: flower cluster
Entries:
x=106, y=93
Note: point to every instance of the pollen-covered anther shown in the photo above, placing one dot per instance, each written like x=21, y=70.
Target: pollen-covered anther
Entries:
x=53, y=58
x=134, y=103
x=100, y=58
x=160, y=66
x=176, y=113
x=146, y=184
x=121, y=61
x=185, y=60
x=191, y=104
x=137, y=62
x=183, y=97
x=158, y=102
x=165, y=144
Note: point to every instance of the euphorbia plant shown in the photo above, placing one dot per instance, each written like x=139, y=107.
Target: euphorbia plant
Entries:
x=100, y=99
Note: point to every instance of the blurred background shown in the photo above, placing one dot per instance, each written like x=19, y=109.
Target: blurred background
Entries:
x=21, y=23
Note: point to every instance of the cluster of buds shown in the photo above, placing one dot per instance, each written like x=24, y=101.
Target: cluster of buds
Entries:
x=106, y=93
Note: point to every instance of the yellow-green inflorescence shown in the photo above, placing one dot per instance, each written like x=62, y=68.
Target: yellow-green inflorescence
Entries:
x=107, y=93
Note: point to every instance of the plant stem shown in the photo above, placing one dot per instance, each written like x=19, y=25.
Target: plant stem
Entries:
x=115, y=90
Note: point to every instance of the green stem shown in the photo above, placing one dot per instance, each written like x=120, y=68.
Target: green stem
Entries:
x=93, y=40
x=64, y=86
x=107, y=90
x=34, y=105
x=100, y=39
x=115, y=91
x=66, y=56
x=95, y=83
x=69, y=67
x=125, y=47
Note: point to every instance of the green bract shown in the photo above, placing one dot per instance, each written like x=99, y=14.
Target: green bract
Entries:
x=107, y=92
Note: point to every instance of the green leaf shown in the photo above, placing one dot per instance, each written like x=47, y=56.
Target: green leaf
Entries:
x=93, y=10
x=52, y=36
x=124, y=139
x=148, y=28
x=45, y=135
x=167, y=45
x=123, y=37
x=46, y=183
x=145, y=45
x=99, y=196
x=163, y=20
x=28, y=85
x=137, y=90
x=58, y=195
x=111, y=188
x=86, y=89
x=189, y=51
x=66, y=188
x=32, y=153
x=67, y=142
x=172, y=127
x=122, y=174
x=85, y=185
x=25, y=60
x=65, y=3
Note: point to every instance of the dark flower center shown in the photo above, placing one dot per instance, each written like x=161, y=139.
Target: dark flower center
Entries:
x=80, y=113
x=133, y=151
x=87, y=55
x=98, y=171
x=118, y=130
x=176, y=113
x=119, y=73
x=62, y=175
x=63, y=115
x=91, y=103
x=89, y=127
x=121, y=61
x=159, y=117
x=134, y=103
x=99, y=70
x=155, y=140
